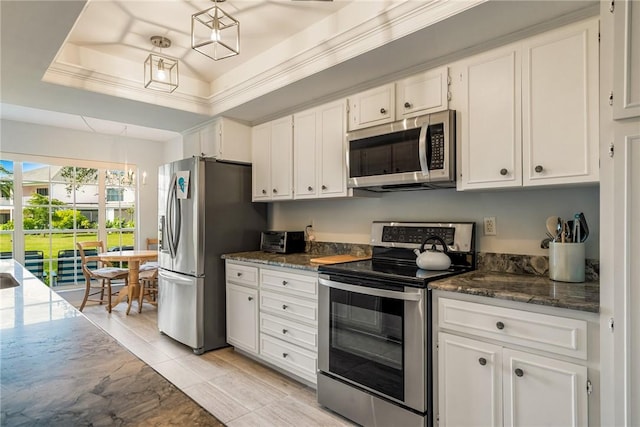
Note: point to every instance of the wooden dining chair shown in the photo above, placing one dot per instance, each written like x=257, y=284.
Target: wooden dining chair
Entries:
x=148, y=287
x=149, y=277
x=103, y=274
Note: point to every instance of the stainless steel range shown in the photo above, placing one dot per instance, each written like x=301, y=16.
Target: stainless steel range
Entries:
x=375, y=356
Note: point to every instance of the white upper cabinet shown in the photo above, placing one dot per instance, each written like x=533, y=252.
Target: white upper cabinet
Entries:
x=373, y=107
x=423, y=93
x=319, y=152
x=560, y=106
x=529, y=111
x=488, y=97
x=222, y=138
x=272, y=154
x=626, y=60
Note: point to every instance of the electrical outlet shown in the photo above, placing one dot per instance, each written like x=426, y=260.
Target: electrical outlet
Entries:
x=490, y=228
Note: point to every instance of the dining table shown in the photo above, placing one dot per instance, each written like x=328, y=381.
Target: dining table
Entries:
x=133, y=258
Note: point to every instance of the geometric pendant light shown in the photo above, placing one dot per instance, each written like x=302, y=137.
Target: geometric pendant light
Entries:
x=215, y=33
x=161, y=72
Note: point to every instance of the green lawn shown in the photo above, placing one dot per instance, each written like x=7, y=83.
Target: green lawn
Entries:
x=58, y=242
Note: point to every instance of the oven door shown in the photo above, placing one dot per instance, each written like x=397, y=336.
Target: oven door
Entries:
x=376, y=337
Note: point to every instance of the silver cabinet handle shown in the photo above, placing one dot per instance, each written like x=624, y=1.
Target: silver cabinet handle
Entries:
x=503, y=172
x=538, y=169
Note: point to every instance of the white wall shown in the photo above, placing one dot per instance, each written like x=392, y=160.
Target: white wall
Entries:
x=520, y=215
x=53, y=142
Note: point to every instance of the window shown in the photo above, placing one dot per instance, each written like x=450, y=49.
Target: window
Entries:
x=6, y=209
x=115, y=194
x=61, y=205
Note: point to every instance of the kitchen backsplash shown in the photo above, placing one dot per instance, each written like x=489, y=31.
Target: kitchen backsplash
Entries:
x=332, y=248
x=529, y=264
x=537, y=265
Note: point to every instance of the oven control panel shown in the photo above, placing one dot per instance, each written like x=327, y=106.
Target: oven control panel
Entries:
x=404, y=234
x=458, y=236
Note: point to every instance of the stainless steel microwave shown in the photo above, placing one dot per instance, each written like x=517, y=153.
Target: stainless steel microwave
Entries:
x=411, y=154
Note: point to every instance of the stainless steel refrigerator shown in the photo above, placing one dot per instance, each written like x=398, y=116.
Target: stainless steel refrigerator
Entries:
x=205, y=210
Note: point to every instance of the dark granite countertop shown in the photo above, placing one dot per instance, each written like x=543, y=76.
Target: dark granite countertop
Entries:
x=59, y=369
x=525, y=288
x=300, y=261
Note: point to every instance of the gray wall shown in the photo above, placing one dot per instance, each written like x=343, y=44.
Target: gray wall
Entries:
x=520, y=215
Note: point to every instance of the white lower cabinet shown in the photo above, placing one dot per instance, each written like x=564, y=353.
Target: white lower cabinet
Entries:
x=470, y=382
x=542, y=391
x=272, y=313
x=493, y=381
x=242, y=317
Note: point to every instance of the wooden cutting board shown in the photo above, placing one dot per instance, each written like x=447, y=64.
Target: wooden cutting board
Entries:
x=334, y=259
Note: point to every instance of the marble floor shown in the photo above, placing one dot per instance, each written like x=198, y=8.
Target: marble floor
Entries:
x=234, y=388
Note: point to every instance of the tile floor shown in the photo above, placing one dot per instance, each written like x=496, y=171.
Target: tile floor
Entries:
x=234, y=388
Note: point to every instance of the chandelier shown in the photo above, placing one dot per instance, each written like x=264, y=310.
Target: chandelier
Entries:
x=120, y=178
x=215, y=33
x=160, y=72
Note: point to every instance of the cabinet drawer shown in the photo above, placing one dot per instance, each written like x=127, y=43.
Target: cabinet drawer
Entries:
x=289, y=307
x=294, y=284
x=555, y=334
x=290, y=331
x=242, y=274
x=290, y=357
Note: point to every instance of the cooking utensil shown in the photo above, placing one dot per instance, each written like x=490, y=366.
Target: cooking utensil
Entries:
x=584, y=228
x=552, y=224
x=433, y=259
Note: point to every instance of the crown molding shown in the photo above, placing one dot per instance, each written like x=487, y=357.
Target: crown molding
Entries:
x=260, y=76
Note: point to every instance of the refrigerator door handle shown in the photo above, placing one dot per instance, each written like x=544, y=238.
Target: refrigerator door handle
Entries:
x=173, y=208
x=175, y=277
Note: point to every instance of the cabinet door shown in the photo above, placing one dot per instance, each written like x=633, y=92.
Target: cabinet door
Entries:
x=191, y=144
x=491, y=140
x=332, y=153
x=469, y=382
x=261, y=162
x=625, y=246
x=373, y=107
x=281, y=156
x=305, y=139
x=422, y=94
x=242, y=317
x=626, y=60
x=560, y=106
x=210, y=137
x=543, y=391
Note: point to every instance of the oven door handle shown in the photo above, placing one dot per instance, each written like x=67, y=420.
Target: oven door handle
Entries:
x=384, y=293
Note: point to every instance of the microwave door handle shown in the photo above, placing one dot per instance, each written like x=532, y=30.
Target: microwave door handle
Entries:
x=423, y=149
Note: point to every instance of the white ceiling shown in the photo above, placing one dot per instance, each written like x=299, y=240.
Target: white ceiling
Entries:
x=83, y=60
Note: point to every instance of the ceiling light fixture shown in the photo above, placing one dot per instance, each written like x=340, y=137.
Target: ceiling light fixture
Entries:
x=215, y=33
x=160, y=72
